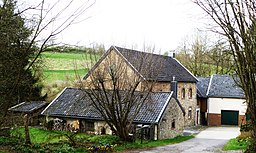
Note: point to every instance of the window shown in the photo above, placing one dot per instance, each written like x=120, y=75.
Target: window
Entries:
x=173, y=124
x=183, y=93
x=87, y=126
x=189, y=113
x=190, y=93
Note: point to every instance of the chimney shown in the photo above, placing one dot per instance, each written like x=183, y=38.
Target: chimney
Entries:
x=171, y=53
x=174, y=87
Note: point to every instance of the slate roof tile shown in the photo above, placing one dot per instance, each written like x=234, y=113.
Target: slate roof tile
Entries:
x=28, y=107
x=202, y=86
x=224, y=86
x=221, y=86
x=79, y=106
x=162, y=68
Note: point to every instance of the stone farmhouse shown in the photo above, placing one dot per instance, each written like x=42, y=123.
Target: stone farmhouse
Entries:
x=173, y=100
x=221, y=101
x=163, y=115
x=162, y=70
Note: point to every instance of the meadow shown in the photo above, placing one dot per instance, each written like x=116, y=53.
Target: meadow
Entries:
x=65, y=66
x=63, y=69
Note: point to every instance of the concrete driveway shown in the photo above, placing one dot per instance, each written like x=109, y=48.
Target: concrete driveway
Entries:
x=209, y=140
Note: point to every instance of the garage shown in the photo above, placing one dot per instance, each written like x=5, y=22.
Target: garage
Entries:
x=229, y=117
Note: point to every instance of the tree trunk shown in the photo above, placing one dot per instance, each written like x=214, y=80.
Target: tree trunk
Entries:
x=27, y=137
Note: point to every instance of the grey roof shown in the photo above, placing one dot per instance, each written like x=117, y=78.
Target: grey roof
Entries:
x=202, y=86
x=75, y=103
x=153, y=66
x=28, y=107
x=221, y=86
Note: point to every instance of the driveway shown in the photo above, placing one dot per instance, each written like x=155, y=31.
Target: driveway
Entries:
x=209, y=140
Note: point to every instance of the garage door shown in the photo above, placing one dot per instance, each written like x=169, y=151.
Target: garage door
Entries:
x=229, y=117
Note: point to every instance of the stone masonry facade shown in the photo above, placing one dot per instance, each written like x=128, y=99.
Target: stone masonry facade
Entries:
x=172, y=123
x=187, y=102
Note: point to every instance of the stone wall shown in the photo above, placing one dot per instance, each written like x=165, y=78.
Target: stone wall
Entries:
x=188, y=102
x=99, y=125
x=172, y=114
x=161, y=87
x=126, y=76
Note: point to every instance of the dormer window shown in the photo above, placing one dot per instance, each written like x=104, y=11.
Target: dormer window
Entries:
x=183, y=93
x=190, y=93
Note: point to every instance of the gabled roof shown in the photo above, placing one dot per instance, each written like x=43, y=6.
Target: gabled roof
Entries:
x=28, y=107
x=202, y=86
x=221, y=86
x=152, y=66
x=74, y=103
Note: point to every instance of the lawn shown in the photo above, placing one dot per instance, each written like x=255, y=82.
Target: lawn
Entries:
x=63, y=75
x=58, y=141
x=236, y=144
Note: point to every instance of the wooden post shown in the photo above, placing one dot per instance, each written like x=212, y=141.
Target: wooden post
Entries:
x=27, y=137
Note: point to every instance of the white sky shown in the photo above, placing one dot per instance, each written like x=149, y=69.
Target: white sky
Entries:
x=134, y=23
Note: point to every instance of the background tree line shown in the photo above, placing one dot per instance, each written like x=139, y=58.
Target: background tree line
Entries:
x=204, y=58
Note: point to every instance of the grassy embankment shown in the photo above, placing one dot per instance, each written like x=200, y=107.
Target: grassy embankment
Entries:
x=62, y=69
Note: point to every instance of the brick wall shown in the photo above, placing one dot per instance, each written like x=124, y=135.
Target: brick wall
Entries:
x=214, y=119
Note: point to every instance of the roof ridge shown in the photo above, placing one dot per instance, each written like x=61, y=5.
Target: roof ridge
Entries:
x=209, y=86
x=145, y=52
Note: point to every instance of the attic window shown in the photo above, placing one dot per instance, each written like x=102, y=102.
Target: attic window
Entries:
x=183, y=93
x=190, y=93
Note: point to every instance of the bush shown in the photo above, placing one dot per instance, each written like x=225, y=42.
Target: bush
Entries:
x=105, y=139
x=246, y=127
x=244, y=135
x=5, y=132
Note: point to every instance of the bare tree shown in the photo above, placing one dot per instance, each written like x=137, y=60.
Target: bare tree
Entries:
x=194, y=56
x=237, y=22
x=118, y=91
x=221, y=58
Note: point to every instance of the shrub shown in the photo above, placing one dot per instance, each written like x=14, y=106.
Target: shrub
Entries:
x=105, y=139
x=244, y=135
x=246, y=127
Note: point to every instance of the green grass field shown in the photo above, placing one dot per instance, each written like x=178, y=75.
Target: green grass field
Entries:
x=65, y=66
x=63, y=69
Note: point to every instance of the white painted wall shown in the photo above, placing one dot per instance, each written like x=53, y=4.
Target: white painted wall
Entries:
x=215, y=105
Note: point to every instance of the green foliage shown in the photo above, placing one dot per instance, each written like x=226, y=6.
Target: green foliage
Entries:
x=104, y=139
x=99, y=49
x=18, y=83
x=236, y=144
x=64, y=75
x=246, y=127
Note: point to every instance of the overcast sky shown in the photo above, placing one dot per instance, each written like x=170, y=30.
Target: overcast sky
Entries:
x=133, y=23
